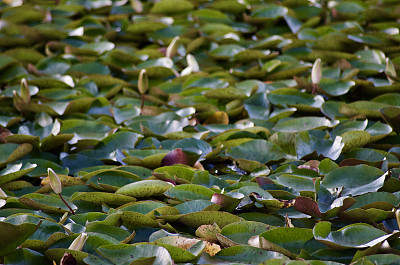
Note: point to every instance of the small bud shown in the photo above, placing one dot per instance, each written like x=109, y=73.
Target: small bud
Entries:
x=191, y=61
x=143, y=83
x=172, y=47
x=137, y=6
x=25, y=92
x=316, y=72
x=79, y=242
x=187, y=71
x=56, y=128
x=55, y=182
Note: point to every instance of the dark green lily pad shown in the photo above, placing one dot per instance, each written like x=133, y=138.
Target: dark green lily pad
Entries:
x=17, y=232
x=354, y=180
x=351, y=236
x=256, y=150
x=124, y=253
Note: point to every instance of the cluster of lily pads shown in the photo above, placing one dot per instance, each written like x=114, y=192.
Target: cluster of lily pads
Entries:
x=199, y=132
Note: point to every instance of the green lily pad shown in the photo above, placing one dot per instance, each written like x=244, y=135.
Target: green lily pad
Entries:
x=364, y=108
x=15, y=171
x=250, y=255
x=294, y=98
x=197, y=219
x=195, y=206
x=391, y=114
x=225, y=94
x=307, y=144
x=145, y=188
x=19, y=233
x=268, y=12
x=226, y=52
x=256, y=150
x=45, y=230
x=242, y=231
x=355, y=180
x=351, y=236
x=172, y=7
x=133, y=220
x=11, y=152
x=354, y=139
x=46, y=203
x=126, y=254
x=25, y=256
x=302, y=124
x=293, y=239
x=88, y=68
x=189, y=192
x=336, y=88
x=85, y=129
x=102, y=197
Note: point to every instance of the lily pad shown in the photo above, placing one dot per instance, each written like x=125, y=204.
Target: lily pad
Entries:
x=354, y=180
x=256, y=150
x=145, y=188
x=124, y=253
x=351, y=236
x=208, y=217
x=302, y=124
x=19, y=233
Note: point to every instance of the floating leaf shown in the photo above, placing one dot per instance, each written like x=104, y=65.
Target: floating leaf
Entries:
x=25, y=256
x=197, y=219
x=391, y=116
x=85, y=129
x=171, y=7
x=226, y=51
x=354, y=139
x=46, y=203
x=189, y=192
x=362, y=108
x=145, y=188
x=336, y=88
x=124, y=253
x=102, y=197
x=308, y=144
x=241, y=232
x=248, y=254
x=11, y=152
x=270, y=11
x=18, y=234
x=293, y=239
x=15, y=171
x=302, y=124
x=257, y=150
x=355, y=180
x=351, y=236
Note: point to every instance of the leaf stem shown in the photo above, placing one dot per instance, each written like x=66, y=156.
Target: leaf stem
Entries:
x=141, y=104
x=69, y=207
